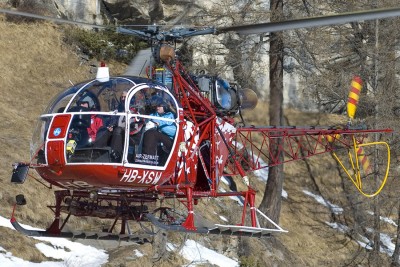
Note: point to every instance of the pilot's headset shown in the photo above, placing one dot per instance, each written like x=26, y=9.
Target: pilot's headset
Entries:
x=157, y=101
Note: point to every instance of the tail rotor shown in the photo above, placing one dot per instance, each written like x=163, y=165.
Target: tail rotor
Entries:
x=359, y=165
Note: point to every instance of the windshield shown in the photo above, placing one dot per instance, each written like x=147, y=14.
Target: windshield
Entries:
x=60, y=101
x=104, y=97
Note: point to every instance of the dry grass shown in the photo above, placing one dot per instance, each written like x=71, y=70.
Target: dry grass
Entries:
x=35, y=65
x=21, y=246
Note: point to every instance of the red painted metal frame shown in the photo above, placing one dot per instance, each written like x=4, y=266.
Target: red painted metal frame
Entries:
x=253, y=145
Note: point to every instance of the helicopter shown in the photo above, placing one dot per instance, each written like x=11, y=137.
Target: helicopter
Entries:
x=138, y=168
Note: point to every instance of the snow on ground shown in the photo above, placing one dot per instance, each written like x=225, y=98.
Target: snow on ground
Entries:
x=198, y=254
x=385, y=219
x=334, y=208
x=387, y=246
x=70, y=253
x=76, y=254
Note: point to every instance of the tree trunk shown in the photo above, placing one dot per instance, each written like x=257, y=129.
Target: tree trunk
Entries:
x=376, y=234
x=396, y=252
x=271, y=203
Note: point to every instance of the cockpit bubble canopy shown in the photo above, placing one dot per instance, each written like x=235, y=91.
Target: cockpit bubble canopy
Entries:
x=100, y=96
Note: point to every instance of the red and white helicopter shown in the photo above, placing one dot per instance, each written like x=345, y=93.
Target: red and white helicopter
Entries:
x=112, y=154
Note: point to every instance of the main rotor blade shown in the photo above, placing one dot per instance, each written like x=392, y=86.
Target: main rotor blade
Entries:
x=245, y=29
x=312, y=22
x=30, y=15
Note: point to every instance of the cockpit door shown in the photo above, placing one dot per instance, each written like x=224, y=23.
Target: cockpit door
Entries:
x=152, y=131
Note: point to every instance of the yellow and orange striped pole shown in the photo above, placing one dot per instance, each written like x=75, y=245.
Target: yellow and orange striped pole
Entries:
x=354, y=96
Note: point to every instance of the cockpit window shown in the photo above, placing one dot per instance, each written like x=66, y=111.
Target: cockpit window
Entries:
x=145, y=134
x=59, y=102
x=146, y=100
x=95, y=138
x=102, y=97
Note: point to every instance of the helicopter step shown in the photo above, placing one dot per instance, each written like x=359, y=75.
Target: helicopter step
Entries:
x=218, y=229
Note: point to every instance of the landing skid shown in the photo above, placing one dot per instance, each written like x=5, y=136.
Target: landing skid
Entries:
x=126, y=208
x=140, y=239
x=216, y=229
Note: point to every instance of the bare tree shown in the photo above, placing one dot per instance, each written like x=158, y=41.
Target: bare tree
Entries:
x=271, y=202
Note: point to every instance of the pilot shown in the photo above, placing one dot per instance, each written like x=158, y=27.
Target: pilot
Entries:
x=163, y=132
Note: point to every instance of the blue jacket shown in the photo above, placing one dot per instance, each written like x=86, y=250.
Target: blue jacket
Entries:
x=166, y=127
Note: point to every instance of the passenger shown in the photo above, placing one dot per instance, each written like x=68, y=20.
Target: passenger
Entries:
x=110, y=135
x=96, y=123
x=80, y=123
x=162, y=134
x=121, y=104
x=138, y=103
x=84, y=104
x=135, y=126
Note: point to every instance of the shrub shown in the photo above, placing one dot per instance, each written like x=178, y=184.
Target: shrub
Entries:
x=249, y=262
x=29, y=6
x=104, y=44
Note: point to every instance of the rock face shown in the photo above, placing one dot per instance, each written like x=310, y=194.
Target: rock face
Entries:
x=136, y=12
x=86, y=11
x=140, y=12
x=125, y=11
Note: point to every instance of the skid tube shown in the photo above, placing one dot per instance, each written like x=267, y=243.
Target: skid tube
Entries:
x=140, y=239
x=77, y=235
